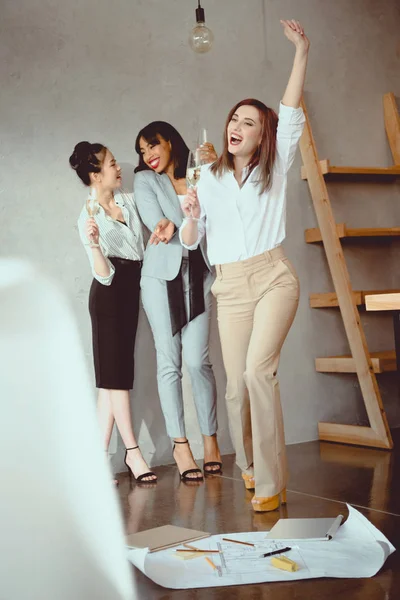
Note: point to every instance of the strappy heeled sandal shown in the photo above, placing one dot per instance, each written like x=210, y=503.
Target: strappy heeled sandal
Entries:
x=140, y=478
x=249, y=482
x=184, y=475
x=212, y=463
x=267, y=504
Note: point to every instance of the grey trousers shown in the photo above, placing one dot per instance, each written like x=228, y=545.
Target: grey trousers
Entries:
x=191, y=343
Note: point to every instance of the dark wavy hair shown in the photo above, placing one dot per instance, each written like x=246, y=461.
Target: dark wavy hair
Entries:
x=87, y=158
x=264, y=155
x=179, y=151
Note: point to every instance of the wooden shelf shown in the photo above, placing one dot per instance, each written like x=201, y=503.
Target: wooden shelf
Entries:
x=383, y=301
x=317, y=173
x=314, y=236
x=379, y=173
x=330, y=299
x=360, y=360
x=382, y=362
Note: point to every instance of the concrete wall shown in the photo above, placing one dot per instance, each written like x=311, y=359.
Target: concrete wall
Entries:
x=99, y=71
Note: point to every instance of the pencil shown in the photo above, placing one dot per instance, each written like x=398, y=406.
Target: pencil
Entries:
x=189, y=546
x=210, y=562
x=200, y=551
x=277, y=552
x=237, y=542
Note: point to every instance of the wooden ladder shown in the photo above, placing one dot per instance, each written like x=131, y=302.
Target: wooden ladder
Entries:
x=360, y=361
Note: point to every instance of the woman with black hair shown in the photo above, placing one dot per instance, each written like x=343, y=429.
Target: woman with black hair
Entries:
x=114, y=245
x=176, y=294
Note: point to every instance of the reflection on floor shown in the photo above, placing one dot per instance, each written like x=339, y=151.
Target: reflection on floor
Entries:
x=323, y=476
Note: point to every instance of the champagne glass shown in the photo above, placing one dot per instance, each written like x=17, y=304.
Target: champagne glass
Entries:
x=92, y=207
x=201, y=140
x=193, y=171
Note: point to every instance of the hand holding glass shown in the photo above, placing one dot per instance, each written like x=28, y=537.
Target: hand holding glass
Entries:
x=193, y=170
x=92, y=207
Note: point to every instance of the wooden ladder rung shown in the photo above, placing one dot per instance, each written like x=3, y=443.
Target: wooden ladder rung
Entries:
x=330, y=299
x=360, y=361
x=353, y=434
x=382, y=362
x=381, y=173
x=313, y=236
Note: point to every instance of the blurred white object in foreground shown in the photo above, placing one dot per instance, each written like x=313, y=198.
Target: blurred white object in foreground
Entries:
x=61, y=530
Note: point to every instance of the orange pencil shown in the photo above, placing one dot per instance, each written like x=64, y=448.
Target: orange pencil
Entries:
x=199, y=551
x=210, y=562
x=238, y=542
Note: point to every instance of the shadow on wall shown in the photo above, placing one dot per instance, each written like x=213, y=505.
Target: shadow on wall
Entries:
x=147, y=416
x=127, y=175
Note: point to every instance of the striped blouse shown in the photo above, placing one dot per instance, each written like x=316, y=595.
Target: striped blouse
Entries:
x=116, y=239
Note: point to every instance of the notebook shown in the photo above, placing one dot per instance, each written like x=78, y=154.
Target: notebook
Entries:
x=163, y=537
x=306, y=529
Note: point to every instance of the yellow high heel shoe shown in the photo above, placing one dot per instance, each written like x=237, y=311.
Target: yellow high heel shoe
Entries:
x=249, y=482
x=268, y=504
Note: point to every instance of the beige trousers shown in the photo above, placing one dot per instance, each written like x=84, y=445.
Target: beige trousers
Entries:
x=257, y=301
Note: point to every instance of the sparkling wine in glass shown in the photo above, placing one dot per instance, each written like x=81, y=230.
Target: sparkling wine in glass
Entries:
x=201, y=140
x=193, y=169
x=92, y=207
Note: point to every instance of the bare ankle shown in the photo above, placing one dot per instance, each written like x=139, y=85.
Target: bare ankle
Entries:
x=133, y=452
x=181, y=444
x=210, y=441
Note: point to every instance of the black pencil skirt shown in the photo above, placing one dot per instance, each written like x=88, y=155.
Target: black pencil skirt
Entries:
x=114, y=312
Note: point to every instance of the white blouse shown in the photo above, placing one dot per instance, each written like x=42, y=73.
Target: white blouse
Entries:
x=116, y=239
x=239, y=221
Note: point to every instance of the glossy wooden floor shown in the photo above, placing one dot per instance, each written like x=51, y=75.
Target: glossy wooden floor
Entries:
x=322, y=477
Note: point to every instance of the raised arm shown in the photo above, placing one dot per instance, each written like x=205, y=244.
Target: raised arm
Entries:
x=294, y=90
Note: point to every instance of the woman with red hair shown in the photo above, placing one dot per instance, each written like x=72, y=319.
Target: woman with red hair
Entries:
x=240, y=203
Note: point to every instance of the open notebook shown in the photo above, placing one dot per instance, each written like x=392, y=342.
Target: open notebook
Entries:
x=163, y=537
x=305, y=529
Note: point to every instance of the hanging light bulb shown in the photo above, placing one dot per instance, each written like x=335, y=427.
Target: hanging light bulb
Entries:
x=201, y=37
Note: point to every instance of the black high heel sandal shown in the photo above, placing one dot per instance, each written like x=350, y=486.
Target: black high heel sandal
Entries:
x=184, y=475
x=212, y=463
x=140, y=478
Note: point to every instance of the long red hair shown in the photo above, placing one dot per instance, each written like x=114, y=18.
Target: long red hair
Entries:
x=264, y=155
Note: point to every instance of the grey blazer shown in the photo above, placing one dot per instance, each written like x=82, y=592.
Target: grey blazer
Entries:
x=156, y=199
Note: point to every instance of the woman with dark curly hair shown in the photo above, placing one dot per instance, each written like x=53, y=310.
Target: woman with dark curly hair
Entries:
x=176, y=293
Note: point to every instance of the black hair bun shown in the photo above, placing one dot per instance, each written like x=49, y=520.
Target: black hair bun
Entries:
x=81, y=154
x=87, y=158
